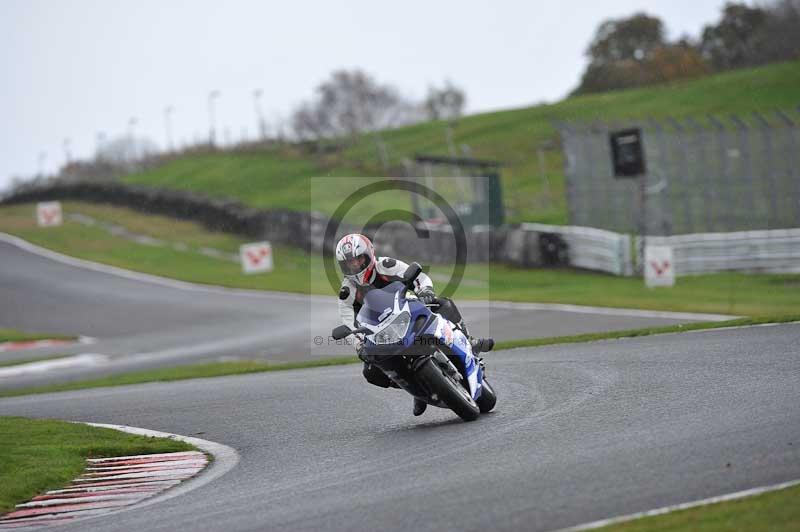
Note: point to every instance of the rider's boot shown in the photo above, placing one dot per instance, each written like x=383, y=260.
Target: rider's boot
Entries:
x=481, y=345
x=419, y=406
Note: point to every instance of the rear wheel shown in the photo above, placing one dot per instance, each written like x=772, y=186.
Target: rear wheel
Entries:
x=487, y=399
x=449, y=390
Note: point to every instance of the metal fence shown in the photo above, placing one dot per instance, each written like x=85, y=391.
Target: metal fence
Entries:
x=709, y=174
x=776, y=251
x=592, y=249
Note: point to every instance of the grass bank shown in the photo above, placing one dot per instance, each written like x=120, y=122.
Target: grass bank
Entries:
x=645, y=331
x=776, y=511
x=297, y=271
x=95, y=244
x=280, y=177
x=196, y=371
x=40, y=455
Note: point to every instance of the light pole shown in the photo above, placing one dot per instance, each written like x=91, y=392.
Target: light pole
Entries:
x=100, y=138
x=213, y=95
x=41, y=160
x=132, y=121
x=67, y=154
x=168, y=126
x=262, y=127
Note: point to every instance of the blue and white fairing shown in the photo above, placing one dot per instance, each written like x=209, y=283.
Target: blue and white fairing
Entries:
x=389, y=314
x=459, y=344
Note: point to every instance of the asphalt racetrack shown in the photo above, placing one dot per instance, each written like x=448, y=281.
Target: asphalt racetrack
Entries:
x=142, y=324
x=581, y=432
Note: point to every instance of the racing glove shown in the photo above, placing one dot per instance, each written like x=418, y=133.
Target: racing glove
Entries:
x=427, y=296
x=360, y=348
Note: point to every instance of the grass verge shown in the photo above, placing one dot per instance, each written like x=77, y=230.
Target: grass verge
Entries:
x=39, y=455
x=646, y=331
x=95, y=244
x=11, y=335
x=196, y=371
x=281, y=176
x=297, y=271
x=776, y=511
x=240, y=367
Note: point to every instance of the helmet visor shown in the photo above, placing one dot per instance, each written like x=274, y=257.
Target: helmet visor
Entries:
x=355, y=265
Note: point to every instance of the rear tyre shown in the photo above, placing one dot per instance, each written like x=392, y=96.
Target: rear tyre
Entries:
x=487, y=399
x=452, y=393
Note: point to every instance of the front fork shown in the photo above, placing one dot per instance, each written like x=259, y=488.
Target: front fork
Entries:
x=458, y=343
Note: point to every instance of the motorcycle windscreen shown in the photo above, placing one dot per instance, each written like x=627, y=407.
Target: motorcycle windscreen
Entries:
x=378, y=304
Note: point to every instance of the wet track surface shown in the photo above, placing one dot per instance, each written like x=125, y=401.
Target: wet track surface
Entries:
x=144, y=324
x=581, y=432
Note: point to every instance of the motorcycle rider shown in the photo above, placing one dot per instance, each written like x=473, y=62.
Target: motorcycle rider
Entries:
x=363, y=271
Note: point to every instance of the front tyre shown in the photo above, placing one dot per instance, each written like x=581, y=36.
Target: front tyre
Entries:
x=450, y=391
x=487, y=399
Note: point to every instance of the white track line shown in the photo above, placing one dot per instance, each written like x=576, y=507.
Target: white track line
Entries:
x=22, y=345
x=188, y=462
x=187, y=454
x=112, y=487
x=183, y=285
x=78, y=361
x=169, y=474
x=82, y=500
x=772, y=324
x=606, y=311
x=683, y=506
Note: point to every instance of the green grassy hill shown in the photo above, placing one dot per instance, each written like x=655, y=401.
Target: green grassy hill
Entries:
x=279, y=177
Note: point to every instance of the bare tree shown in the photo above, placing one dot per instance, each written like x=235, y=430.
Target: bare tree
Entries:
x=351, y=103
x=348, y=104
x=126, y=150
x=308, y=122
x=446, y=103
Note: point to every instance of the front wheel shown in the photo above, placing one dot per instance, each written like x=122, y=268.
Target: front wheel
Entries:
x=450, y=391
x=487, y=399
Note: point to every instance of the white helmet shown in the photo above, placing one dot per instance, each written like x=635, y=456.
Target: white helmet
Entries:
x=356, y=257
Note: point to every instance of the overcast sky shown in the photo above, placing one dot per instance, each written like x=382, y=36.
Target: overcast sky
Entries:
x=73, y=68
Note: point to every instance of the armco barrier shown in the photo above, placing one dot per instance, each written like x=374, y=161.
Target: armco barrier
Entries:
x=300, y=229
x=215, y=214
x=592, y=249
x=773, y=251
x=525, y=245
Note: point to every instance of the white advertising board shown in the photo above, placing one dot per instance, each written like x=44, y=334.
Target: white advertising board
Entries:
x=256, y=257
x=659, y=266
x=48, y=214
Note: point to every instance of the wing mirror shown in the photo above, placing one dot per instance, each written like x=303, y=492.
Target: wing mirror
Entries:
x=341, y=332
x=411, y=274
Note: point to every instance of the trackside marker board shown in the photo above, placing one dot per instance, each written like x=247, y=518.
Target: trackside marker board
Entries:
x=256, y=257
x=48, y=214
x=659, y=266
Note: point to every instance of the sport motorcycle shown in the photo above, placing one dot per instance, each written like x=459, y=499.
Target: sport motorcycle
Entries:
x=420, y=351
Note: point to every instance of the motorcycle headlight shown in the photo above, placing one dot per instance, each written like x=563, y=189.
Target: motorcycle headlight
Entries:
x=395, y=331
